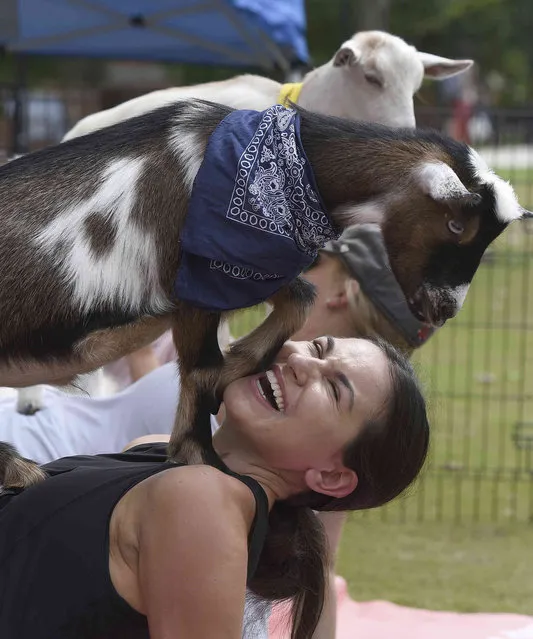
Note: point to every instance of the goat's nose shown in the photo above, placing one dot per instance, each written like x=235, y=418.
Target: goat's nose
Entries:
x=431, y=307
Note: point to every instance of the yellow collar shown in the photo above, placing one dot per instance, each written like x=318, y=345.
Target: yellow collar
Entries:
x=289, y=91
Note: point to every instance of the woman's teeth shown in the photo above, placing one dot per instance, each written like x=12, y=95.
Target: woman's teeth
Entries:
x=276, y=400
x=276, y=389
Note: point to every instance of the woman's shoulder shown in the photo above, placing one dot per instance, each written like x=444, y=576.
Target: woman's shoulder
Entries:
x=197, y=504
x=172, y=528
x=200, y=486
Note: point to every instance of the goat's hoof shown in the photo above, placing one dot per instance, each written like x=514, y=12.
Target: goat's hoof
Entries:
x=28, y=409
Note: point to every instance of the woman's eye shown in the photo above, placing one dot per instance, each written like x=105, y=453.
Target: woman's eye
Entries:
x=318, y=349
x=455, y=227
x=335, y=390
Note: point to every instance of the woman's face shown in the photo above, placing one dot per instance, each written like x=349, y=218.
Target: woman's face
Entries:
x=314, y=401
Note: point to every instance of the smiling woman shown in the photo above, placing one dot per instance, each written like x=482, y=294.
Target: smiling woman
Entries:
x=322, y=383
x=336, y=424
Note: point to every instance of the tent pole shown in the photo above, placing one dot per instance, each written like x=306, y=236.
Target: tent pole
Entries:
x=18, y=143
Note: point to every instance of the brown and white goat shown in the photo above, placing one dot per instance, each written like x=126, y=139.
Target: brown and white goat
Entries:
x=372, y=77
x=92, y=229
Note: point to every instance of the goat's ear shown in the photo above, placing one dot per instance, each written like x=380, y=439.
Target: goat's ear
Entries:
x=440, y=182
x=346, y=56
x=525, y=214
x=438, y=68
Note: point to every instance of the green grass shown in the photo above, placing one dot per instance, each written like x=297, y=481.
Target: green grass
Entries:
x=475, y=568
x=479, y=369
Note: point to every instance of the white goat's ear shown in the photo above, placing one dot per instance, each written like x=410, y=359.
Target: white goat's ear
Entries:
x=438, y=68
x=525, y=214
x=346, y=56
x=440, y=182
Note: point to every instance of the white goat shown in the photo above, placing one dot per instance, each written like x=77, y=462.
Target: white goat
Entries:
x=372, y=77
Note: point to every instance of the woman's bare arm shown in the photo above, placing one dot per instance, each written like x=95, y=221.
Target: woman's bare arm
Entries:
x=327, y=625
x=147, y=439
x=193, y=555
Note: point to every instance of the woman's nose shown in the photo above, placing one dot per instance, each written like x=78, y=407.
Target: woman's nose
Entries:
x=304, y=367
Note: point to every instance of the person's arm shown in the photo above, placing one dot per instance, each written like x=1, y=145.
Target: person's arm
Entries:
x=147, y=439
x=142, y=362
x=333, y=525
x=193, y=556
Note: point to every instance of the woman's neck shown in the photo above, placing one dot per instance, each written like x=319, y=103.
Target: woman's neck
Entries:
x=275, y=483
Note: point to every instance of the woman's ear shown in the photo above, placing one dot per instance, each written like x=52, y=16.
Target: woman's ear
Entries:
x=337, y=483
x=338, y=300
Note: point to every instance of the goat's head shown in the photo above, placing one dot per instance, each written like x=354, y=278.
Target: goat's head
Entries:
x=437, y=203
x=436, y=235
x=380, y=74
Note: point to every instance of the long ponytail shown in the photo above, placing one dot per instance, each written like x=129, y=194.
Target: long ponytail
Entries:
x=293, y=566
x=15, y=470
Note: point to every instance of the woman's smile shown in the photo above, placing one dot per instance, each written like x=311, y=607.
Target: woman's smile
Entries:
x=309, y=405
x=270, y=389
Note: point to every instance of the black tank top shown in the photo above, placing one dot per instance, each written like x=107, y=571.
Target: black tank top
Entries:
x=54, y=548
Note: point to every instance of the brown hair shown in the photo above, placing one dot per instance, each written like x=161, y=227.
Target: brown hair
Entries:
x=369, y=321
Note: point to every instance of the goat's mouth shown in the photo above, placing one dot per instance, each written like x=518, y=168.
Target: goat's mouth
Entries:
x=424, y=315
x=270, y=390
x=432, y=306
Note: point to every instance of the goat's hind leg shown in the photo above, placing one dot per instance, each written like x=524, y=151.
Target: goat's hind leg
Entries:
x=17, y=471
x=256, y=351
x=200, y=363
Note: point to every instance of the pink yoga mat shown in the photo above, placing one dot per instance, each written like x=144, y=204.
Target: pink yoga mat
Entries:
x=384, y=620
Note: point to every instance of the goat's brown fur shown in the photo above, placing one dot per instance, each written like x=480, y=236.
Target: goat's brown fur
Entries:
x=48, y=334
x=95, y=350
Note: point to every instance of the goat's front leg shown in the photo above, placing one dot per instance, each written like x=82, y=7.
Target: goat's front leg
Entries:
x=30, y=400
x=200, y=363
x=256, y=351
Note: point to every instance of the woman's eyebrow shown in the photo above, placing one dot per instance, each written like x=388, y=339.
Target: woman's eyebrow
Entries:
x=330, y=345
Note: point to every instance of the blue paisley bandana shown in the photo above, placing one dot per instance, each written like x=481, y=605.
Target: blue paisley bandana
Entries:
x=255, y=219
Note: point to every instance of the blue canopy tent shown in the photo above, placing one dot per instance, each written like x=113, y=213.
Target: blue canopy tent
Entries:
x=267, y=34
x=261, y=33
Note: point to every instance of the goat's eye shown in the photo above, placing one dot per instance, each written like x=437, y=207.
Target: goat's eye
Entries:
x=373, y=79
x=455, y=227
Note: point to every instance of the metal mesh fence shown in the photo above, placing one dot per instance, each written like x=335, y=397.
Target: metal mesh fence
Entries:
x=478, y=370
